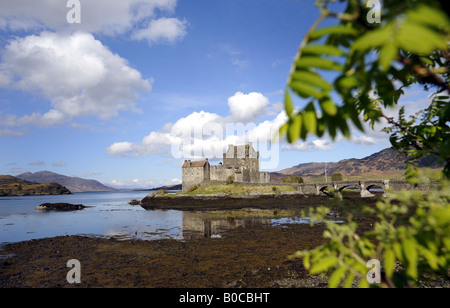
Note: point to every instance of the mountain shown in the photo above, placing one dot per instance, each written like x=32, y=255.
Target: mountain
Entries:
x=74, y=184
x=13, y=186
x=387, y=163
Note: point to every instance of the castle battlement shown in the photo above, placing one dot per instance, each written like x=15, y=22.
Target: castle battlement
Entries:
x=241, y=162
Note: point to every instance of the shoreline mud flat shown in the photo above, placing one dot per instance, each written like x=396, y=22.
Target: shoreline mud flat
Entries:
x=231, y=202
x=244, y=257
x=254, y=256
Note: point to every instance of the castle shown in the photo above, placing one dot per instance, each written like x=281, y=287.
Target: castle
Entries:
x=240, y=162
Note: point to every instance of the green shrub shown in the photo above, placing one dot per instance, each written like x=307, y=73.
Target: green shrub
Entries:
x=230, y=180
x=193, y=188
x=336, y=177
x=411, y=239
x=293, y=179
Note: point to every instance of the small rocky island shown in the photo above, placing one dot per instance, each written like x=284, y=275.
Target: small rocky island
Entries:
x=60, y=207
x=13, y=186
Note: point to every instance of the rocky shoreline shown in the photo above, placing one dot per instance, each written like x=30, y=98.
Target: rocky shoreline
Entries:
x=210, y=202
x=255, y=257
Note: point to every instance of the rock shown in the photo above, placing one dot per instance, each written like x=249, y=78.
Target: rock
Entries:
x=60, y=207
x=134, y=202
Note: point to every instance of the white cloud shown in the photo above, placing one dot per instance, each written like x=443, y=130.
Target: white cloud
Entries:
x=10, y=133
x=59, y=163
x=205, y=134
x=240, y=63
x=363, y=140
x=247, y=107
x=82, y=77
x=142, y=184
x=163, y=29
x=37, y=163
x=313, y=145
x=121, y=148
x=100, y=16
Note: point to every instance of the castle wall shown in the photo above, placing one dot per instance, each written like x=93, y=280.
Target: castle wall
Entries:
x=220, y=173
x=264, y=177
x=194, y=175
x=241, y=162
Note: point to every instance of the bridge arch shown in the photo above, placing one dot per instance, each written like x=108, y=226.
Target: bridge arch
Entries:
x=375, y=186
x=349, y=186
x=322, y=189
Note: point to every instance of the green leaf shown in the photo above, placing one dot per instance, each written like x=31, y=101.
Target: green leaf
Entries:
x=388, y=53
x=332, y=128
x=349, y=280
x=428, y=15
x=419, y=39
x=356, y=120
x=288, y=105
x=389, y=262
x=346, y=83
x=309, y=62
x=328, y=106
x=375, y=38
x=282, y=131
x=363, y=284
x=313, y=79
x=337, y=276
x=328, y=50
x=310, y=118
x=317, y=34
x=305, y=90
x=323, y=265
x=306, y=262
x=295, y=126
x=431, y=258
x=342, y=124
x=409, y=249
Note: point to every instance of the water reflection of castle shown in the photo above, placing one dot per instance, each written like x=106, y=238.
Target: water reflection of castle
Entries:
x=204, y=225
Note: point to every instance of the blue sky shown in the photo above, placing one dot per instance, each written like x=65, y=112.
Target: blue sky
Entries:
x=106, y=98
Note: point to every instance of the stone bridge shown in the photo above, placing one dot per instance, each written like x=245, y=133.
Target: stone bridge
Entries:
x=363, y=186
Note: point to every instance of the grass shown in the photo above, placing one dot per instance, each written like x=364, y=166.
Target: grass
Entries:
x=239, y=189
x=230, y=189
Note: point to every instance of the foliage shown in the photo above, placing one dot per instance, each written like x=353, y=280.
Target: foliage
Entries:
x=367, y=67
x=424, y=133
x=295, y=179
x=336, y=177
x=349, y=73
x=412, y=230
x=11, y=188
x=193, y=188
x=230, y=180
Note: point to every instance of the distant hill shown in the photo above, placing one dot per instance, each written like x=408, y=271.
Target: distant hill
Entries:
x=13, y=186
x=74, y=184
x=388, y=163
x=167, y=187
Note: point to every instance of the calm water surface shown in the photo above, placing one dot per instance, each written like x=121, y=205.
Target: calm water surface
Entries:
x=109, y=215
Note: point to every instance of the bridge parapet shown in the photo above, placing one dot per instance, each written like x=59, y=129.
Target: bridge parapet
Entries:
x=363, y=186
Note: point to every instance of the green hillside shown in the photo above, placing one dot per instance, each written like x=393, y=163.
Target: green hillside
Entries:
x=12, y=186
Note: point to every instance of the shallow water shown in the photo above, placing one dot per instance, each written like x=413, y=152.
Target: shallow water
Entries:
x=109, y=215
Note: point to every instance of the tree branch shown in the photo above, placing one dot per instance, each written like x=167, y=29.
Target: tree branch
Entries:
x=404, y=129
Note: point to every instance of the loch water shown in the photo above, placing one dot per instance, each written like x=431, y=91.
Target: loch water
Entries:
x=109, y=215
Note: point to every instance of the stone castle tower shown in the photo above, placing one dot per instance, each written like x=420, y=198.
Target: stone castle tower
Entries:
x=240, y=162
